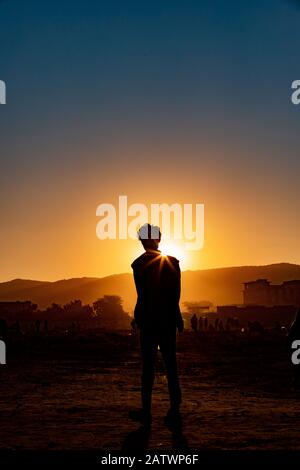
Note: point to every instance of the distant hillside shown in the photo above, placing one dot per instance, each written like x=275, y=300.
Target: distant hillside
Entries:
x=62, y=291
x=221, y=286
x=225, y=285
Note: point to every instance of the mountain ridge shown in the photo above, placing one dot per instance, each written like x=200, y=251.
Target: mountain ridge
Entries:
x=218, y=285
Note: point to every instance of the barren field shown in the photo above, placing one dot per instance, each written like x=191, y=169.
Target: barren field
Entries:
x=64, y=392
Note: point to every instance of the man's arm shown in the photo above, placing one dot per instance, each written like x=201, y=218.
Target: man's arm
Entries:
x=137, y=309
x=179, y=319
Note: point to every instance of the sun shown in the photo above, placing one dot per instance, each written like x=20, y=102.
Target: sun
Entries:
x=170, y=248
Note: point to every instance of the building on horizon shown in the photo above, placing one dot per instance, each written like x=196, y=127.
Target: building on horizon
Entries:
x=262, y=292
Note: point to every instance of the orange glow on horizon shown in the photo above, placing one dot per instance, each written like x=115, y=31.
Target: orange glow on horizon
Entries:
x=53, y=235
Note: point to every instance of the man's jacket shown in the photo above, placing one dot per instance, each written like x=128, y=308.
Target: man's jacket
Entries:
x=157, y=281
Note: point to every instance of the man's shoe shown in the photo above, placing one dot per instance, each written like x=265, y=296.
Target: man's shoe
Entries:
x=173, y=418
x=140, y=416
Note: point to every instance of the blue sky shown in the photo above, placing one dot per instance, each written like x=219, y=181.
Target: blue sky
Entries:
x=90, y=85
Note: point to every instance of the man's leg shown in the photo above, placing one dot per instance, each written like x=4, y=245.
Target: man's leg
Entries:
x=148, y=351
x=167, y=344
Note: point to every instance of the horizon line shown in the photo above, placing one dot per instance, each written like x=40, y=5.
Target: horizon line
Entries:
x=122, y=273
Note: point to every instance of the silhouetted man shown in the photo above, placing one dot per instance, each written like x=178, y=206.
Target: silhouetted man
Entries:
x=157, y=315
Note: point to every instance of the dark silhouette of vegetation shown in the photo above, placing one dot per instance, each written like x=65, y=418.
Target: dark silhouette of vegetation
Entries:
x=106, y=312
x=76, y=311
x=110, y=312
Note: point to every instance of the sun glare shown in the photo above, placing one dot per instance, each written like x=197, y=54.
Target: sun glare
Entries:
x=169, y=248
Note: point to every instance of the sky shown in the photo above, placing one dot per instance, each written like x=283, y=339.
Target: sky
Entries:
x=165, y=102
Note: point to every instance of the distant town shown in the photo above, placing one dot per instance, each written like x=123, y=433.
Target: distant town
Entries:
x=262, y=302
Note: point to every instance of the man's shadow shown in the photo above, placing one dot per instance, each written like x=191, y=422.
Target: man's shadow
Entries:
x=179, y=441
x=138, y=440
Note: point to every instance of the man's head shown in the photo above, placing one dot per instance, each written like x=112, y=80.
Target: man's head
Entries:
x=150, y=236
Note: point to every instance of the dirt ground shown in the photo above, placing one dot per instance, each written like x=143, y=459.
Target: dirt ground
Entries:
x=65, y=392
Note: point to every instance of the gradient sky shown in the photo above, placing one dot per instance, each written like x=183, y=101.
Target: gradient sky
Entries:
x=164, y=101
